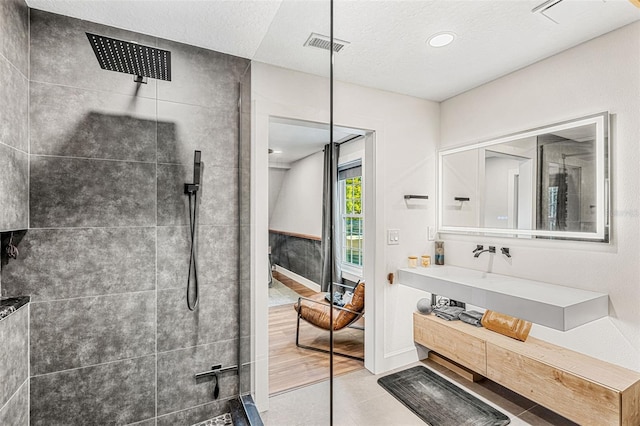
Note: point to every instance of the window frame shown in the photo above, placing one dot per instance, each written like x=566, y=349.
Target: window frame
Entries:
x=347, y=266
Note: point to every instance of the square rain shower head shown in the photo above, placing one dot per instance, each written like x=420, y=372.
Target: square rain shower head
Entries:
x=131, y=58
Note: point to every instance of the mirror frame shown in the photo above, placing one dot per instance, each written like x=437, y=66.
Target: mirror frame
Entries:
x=602, y=234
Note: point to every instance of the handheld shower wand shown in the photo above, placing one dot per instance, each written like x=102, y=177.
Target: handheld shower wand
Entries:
x=191, y=189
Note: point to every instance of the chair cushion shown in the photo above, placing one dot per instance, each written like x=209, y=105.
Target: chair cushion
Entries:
x=357, y=301
x=317, y=312
x=344, y=318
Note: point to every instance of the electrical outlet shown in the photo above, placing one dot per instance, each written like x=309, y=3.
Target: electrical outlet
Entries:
x=431, y=233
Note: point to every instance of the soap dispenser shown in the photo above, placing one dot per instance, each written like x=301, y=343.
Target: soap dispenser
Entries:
x=439, y=252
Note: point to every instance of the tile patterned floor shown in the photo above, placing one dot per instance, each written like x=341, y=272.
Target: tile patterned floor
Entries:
x=280, y=294
x=360, y=401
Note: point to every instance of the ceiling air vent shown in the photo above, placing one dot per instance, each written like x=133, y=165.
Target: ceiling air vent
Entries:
x=324, y=42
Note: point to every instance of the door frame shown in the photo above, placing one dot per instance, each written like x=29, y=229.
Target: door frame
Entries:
x=262, y=110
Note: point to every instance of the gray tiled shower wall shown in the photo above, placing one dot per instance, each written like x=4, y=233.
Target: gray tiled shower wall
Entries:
x=14, y=95
x=105, y=258
x=14, y=368
x=14, y=200
x=296, y=254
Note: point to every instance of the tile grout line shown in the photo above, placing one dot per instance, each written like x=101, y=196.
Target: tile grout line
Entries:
x=88, y=89
x=26, y=381
x=221, y=111
x=49, y=228
x=115, y=160
x=15, y=67
x=67, y=299
x=13, y=147
x=14, y=312
x=151, y=98
x=213, y=166
x=230, y=282
x=197, y=406
x=197, y=346
x=29, y=204
x=29, y=143
x=92, y=365
x=140, y=421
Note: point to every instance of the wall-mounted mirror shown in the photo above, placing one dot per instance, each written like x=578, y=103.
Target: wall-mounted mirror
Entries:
x=548, y=182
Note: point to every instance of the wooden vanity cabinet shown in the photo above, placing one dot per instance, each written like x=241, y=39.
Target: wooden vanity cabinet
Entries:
x=452, y=341
x=586, y=390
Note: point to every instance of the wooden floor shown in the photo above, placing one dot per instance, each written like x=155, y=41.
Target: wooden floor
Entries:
x=291, y=367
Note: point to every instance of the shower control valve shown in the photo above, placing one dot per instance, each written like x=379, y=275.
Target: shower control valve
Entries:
x=190, y=188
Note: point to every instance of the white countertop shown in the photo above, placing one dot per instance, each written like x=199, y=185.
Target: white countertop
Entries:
x=543, y=303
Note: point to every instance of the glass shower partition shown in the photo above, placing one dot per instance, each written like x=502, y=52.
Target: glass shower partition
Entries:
x=244, y=248
x=287, y=91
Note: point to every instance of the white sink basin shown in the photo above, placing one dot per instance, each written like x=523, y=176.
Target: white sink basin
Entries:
x=559, y=307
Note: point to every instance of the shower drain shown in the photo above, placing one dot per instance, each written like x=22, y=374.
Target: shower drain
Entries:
x=221, y=420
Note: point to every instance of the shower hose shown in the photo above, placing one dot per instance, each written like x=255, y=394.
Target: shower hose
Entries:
x=192, y=255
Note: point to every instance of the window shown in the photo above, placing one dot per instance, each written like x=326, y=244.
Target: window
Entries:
x=352, y=220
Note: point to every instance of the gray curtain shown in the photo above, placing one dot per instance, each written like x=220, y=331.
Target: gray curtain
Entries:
x=330, y=264
x=563, y=192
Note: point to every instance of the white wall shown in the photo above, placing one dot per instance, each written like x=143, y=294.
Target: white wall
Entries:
x=406, y=131
x=403, y=156
x=600, y=75
x=351, y=151
x=497, y=210
x=276, y=177
x=460, y=172
x=298, y=208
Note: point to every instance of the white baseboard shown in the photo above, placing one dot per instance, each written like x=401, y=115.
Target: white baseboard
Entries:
x=400, y=358
x=302, y=280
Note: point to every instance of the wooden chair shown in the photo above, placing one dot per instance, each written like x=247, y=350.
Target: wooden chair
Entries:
x=315, y=311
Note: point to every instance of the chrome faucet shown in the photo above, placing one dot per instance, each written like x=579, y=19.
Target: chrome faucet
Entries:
x=478, y=248
x=478, y=251
x=505, y=251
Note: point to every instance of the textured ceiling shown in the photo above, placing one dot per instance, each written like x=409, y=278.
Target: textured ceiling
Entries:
x=234, y=27
x=387, y=50
x=294, y=139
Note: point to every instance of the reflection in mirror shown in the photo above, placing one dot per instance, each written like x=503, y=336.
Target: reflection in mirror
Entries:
x=508, y=200
x=460, y=171
x=547, y=182
x=567, y=190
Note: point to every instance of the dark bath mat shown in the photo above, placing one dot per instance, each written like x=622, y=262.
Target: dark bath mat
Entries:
x=439, y=402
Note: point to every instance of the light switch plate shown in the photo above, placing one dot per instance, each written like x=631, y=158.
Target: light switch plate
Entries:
x=393, y=237
x=431, y=233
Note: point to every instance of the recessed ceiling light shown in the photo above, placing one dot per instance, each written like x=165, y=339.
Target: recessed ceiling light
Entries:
x=441, y=39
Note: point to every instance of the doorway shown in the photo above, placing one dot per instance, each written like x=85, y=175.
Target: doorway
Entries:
x=283, y=101
x=296, y=169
